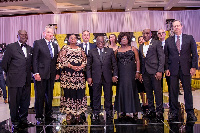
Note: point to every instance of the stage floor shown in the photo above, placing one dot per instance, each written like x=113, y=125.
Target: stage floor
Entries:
x=139, y=126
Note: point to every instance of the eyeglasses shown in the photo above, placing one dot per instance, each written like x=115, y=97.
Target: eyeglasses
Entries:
x=160, y=33
x=123, y=38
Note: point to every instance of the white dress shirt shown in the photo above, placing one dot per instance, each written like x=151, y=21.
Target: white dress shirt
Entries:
x=84, y=47
x=146, y=47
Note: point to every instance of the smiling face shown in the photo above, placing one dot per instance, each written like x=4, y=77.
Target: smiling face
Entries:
x=86, y=36
x=22, y=36
x=140, y=40
x=100, y=42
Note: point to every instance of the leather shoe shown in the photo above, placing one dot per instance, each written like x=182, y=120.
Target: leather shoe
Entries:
x=173, y=117
x=26, y=124
x=95, y=119
x=151, y=115
x=40, y=121
x=160, y=117
x=191, y=118
x=15, y=128
x=50, y=119
x=109, y=119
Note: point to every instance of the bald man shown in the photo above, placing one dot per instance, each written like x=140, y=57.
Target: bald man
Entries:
x=17, y=65
x=152, y=60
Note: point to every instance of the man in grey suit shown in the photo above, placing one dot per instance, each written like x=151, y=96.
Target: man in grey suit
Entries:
x=152, y=60
x=181, y=62
x=45, y=53
x=16, y=64
x=101, y=70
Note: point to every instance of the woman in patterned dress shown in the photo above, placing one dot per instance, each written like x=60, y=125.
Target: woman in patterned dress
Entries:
x=71, y=62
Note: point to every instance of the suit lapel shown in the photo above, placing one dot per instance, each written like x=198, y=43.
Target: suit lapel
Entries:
x=19, y=49
x=184, y=37
x=44, y=45
x=104, y=53
x=97, y=54
x=174, y=43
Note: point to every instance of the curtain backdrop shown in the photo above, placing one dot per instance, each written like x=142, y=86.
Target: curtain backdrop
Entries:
x=99, y=22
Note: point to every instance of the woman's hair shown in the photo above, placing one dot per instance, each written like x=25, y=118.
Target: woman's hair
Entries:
x=115, y=38
x=122, y=34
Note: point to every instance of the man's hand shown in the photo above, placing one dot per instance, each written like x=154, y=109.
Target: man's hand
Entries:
x=37, y=77
x=167, y=73
x=89, y=80
x=192, y=71
x=137, y=75
x=114, y=79
x=158, y=75
x=57, y=77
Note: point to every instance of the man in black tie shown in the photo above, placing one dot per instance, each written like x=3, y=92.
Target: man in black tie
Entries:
x=16, y=64
x=86, y=46
x=45, y=54
x=181, y=62
x=101, y=70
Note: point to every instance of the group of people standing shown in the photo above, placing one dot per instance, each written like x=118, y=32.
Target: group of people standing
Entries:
x=99, y=66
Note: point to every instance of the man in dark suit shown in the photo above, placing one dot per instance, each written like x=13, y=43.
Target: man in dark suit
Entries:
x=181, y=62
x=86, y=46
x=152, y=66
x=101, y=70
x=45, y=54
x=2, y=80
x=16, y=64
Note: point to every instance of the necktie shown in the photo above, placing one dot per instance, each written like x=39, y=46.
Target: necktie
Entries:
x=50, y=49
x=178, y=43
x=101, y=55
x=86, y=48
x=23, y=45
x=146, y=43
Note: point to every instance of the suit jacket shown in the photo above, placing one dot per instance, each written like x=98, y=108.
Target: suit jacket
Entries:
x=42, y=62
x=91, y=46
x=188, y=57
x=16, y=66
x=97, y=68
x=154, y=60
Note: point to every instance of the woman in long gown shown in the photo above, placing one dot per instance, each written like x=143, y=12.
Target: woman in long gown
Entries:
x=127, y=99
x=72, y=61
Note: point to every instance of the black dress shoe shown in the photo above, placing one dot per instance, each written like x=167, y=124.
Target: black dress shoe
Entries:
x=40, y=121
x=173, y=117
x=159, y=117
x=191, y=118
x=15, y=128
x=151, y=115
x=50, y=119
x=95, y=119
x=26, y=124
x=109, y=119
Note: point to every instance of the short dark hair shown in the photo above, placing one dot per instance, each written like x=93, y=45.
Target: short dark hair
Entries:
x=178, y=21
x=122, y=34
x=115, y=38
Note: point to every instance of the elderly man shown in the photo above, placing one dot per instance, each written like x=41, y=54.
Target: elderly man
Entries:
x=101, y=70
x=45, y=53
x=152, y=60
x=16, y=64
